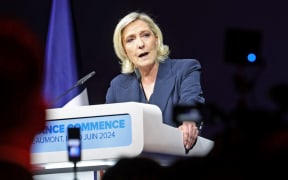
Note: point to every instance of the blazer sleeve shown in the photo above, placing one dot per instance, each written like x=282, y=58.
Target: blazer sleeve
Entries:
x=189, y=84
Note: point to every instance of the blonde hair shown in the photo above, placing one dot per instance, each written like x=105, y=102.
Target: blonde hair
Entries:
x=162, y=50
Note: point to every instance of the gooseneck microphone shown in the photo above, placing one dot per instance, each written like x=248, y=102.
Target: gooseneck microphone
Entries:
x=78, y=83
x=85, y=78
x=138, y=75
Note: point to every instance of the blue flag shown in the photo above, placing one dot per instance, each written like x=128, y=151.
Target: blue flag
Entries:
x=61, y=66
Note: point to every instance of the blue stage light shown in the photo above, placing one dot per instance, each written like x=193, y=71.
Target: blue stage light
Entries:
x=251, y=57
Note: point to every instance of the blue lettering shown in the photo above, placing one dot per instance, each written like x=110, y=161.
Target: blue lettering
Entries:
x=86, y=126
x=54, y=129
x=121, y=123
x=70, y=126
x=93, y=126
x=101, y=125
x=48, y=139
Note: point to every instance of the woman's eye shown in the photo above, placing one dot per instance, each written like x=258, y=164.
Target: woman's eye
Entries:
x=146, y=35
x=129, y=40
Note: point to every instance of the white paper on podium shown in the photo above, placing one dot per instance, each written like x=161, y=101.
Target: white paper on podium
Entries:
x=80, y=100
x=162, y=138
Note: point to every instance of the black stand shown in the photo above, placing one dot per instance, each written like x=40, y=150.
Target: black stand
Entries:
x=75, y=170
x=62, y=95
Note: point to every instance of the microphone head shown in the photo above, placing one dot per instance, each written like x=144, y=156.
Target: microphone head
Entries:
x=85, y=78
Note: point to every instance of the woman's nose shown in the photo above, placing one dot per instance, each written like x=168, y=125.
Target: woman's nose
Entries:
x=140, y=43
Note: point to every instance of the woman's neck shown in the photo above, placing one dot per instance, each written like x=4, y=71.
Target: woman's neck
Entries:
x=148, y=79
x=148, y=75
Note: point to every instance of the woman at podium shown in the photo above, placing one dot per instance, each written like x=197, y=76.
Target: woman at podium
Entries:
x=148, y=75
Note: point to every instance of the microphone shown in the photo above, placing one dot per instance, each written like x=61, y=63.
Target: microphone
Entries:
x=138, y=75
x=85, y=78
x=78, y=83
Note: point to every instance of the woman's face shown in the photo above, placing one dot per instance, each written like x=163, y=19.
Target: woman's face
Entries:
x=140, y=44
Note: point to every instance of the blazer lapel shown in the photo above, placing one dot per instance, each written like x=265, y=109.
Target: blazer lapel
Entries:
x=129, y=89
x=164, y=85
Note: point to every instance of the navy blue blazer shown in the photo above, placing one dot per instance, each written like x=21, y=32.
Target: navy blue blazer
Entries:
x=177, y=83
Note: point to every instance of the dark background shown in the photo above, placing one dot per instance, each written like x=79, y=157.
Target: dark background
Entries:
x=192, y=29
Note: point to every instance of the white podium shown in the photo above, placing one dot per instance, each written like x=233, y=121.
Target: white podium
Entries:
x=111, y=131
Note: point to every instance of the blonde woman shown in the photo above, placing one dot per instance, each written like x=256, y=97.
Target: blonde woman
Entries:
x=150, y=76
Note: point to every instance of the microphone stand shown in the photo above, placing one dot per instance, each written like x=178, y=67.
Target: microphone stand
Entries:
x=63, y=94
x=78, y=83
x=75, y=170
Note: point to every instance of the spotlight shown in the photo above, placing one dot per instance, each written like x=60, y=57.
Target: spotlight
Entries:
x=242, y=47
